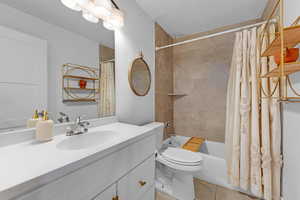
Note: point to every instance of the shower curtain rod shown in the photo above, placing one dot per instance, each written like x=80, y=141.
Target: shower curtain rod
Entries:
x=213, y=35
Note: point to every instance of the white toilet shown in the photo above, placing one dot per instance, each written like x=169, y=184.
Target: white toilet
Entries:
x=175, y=168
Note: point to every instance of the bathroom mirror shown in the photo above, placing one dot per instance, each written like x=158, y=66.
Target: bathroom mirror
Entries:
x=37, y=40
x=139, y=77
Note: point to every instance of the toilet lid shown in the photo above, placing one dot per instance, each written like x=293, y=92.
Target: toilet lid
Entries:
x=182, y=156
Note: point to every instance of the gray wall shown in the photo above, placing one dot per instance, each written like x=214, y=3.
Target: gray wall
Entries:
x=291, y=121
x=137, y=35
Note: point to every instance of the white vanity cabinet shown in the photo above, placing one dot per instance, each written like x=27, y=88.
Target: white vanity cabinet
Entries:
x=136, y=183
x=150, y=194
x=128, y=172
x=109, y=193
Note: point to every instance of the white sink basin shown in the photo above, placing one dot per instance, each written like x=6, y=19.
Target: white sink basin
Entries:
x=87, y=140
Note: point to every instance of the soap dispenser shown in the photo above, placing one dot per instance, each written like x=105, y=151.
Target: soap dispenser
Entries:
x=44, y=128
x=31, y=123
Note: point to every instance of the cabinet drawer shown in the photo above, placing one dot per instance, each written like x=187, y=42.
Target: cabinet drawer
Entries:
x=137, y=182
x=89, y=181
x=150, y=194
x=108, y=194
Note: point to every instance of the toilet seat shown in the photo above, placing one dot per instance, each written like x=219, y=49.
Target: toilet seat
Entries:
x=180, y=159
x=182, y=156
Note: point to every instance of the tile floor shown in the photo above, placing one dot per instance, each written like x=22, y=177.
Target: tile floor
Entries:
x=207, y=191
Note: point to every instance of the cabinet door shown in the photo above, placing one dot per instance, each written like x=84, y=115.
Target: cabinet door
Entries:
x=150, y=194
x=136, y=183
x=108, y=194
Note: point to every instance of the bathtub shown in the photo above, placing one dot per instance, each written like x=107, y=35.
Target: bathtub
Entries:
x=214, y=169
x=214, y=166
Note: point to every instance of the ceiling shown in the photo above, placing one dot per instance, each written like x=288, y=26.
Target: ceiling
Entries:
x=54, y=12
x=185, y=17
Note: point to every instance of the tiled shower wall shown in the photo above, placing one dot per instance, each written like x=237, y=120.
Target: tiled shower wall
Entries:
x=201, y=71
x=106, y=53
x=164, y=80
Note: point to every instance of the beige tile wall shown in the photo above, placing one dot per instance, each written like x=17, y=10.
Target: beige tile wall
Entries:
x=201, y=71
x=163, y=79
x=106, y=53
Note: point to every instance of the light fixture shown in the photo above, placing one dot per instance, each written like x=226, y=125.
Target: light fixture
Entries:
x=108, y=25
x=114, y=21
x=72, y=4
x=89, y=16
x=102, y=8
x=93, y=10
x=82, y=3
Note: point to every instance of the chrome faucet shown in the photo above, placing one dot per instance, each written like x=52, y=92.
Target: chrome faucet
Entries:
x=79, y=127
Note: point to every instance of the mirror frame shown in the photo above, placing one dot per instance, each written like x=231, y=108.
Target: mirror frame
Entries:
x=141, y=57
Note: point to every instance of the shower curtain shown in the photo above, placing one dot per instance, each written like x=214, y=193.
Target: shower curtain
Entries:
x=107, y=90
x=253, y=127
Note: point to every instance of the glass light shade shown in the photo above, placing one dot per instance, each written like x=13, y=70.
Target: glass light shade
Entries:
x=101, y=12
x=102, y=8
x=72, y=4
x=89, y=16
x=115, y=20
x=103, y=3
x=108, y=25
x=82, y=2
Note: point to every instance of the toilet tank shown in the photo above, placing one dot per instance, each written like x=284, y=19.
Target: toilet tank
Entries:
x=159, y=136
x=159, y=133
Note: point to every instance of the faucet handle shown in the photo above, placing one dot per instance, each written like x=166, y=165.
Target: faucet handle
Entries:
x=78, y=119
x=63, y=114
x=84, y=123
x=64, y=117
x=69, y=131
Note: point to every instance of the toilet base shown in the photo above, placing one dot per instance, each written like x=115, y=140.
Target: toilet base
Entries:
x=183, y=186
x=175, y=183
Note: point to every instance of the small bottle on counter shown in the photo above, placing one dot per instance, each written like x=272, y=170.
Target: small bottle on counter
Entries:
x=31, y=123
x=44, y=128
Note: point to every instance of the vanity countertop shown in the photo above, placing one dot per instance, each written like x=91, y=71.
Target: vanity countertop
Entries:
x=29, y=165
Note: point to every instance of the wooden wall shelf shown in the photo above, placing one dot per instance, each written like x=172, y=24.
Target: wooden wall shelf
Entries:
x=291, y=39
x=286, y=37
x=79, y=100
x=83, y=89
x=291, y=100
x=289, y=68
x=71, y=75
x=80, y=77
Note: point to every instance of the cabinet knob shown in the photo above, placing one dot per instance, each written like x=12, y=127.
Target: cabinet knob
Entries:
x=142, y=183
